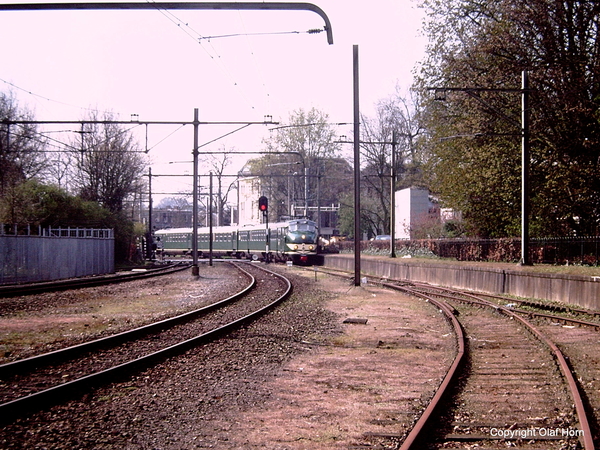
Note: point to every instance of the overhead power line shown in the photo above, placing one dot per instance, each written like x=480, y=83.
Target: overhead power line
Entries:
x=268, y=33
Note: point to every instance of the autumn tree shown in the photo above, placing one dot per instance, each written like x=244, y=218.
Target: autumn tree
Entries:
x=474, y=142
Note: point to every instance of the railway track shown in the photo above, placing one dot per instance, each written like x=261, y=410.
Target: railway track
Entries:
x=511, y=384
x=76, y=283
x=44, y=380
x=517, y=386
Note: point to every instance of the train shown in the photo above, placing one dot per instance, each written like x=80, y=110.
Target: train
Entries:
x=295, y=240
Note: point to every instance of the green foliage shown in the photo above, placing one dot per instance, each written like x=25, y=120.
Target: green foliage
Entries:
x=368, y=208
x=38, y=205
x=474, y=142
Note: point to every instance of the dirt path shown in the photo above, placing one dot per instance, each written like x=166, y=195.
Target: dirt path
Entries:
x=358, y=389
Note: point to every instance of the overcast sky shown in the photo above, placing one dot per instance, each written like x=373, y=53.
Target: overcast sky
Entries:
x=161, y=65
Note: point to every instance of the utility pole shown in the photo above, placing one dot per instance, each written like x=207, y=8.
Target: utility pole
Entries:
x=525, y=161
x=195, y=268
x=209, y=207
x=393, y=198
x=525, y=153
x=150, y=240
x=356, y=167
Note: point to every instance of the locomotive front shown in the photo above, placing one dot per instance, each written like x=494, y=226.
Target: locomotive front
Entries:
x=301, y=240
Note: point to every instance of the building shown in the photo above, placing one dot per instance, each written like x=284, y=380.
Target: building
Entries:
x=249, y=190
x=413, y=209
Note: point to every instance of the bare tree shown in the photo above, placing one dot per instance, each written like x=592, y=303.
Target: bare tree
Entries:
x=309, y=174
x=109, y=165
x=22, y=154
x=223, y=185
x=394, y=114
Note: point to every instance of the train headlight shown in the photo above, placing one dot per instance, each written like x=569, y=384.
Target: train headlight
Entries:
x=310, y=247
x=295, y=247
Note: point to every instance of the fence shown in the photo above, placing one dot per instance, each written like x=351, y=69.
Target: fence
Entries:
x=55, y=253
x=563, y=250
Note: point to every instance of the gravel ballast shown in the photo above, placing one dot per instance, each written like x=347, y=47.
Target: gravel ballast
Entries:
x=297, y=378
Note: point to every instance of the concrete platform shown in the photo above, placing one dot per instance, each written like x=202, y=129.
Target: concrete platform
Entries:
x=583, y=291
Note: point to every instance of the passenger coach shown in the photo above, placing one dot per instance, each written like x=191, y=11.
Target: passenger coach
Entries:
x=296, y=240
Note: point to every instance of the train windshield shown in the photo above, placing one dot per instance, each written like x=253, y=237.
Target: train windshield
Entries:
x=304, y=225
x=302, y=231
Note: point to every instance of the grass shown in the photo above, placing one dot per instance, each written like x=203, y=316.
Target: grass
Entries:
x=536, y=268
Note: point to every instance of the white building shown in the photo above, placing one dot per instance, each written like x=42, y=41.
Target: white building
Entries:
x=412, y=208
x=249, y=191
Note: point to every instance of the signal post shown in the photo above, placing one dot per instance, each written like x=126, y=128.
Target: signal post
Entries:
x=263, y=205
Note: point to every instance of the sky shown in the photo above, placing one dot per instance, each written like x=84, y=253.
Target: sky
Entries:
x=234, y=66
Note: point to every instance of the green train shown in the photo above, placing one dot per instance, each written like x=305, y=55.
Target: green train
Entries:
x=295, y=240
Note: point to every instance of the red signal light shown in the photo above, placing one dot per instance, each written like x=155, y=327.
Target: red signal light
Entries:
x=263, y=204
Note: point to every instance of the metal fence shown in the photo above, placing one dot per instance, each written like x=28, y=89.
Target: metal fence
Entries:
x=552, y=250
x=54, y=254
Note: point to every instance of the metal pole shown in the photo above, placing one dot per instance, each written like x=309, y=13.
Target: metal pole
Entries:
x=356, y=168
x=235, y=6
x=306, y=192
x=195, y=269
x=319, y=198
x=150, y=250
x=525, y=260
x=268, y=235
x=393, y=199
x=209, y=205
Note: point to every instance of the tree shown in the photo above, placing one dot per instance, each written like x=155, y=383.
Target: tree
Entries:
x=218, y=165
x=393, y=114
x=36, y=204
x=109, y=166
x=488, y=44
x=175, y=203
x=311, y=172
x=21, y=146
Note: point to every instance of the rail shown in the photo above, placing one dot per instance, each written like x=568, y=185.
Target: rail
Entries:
x=61, y=392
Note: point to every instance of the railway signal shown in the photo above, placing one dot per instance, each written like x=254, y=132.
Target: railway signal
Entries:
x=263, y=204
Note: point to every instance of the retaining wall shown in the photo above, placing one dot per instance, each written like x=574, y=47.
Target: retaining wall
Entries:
x=578, y=290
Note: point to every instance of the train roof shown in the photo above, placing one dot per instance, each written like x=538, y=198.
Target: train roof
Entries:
x=231, y=229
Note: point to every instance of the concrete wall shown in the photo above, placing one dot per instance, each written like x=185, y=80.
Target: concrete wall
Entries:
x=577, y=290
